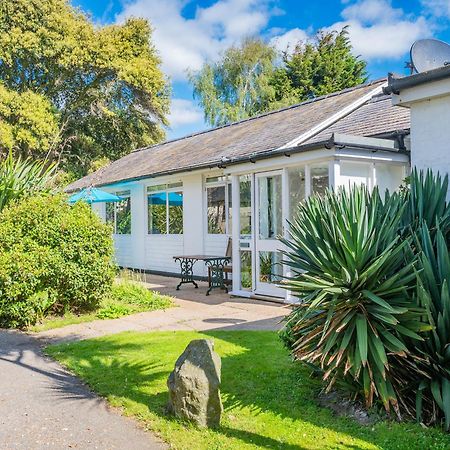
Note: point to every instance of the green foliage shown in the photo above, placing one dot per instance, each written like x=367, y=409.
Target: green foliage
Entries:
x=372, y=278
x=101, y=85
x=137, y=294
x=254, y=78
x=21, y=177
x=113, y=312
x=356, y=289
x=53, y=257
x=324, y=65
x=27, y=121
x=269, y=402
x=238, y=85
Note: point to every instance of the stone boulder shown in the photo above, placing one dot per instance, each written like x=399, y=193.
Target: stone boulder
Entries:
x=194, y=385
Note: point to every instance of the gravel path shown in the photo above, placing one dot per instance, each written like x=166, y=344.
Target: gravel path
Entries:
x=44, y=407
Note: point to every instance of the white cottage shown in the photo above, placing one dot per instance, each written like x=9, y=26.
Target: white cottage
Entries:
x=243, y=180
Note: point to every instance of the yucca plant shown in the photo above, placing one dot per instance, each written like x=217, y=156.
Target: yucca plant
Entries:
x=354, y=275
x=432, y=356
x=19, y=177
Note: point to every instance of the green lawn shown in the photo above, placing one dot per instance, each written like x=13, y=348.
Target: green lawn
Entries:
x=269, y=401
x=127, y=297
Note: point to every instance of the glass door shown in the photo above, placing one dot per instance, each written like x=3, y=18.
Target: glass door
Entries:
x=268, y=229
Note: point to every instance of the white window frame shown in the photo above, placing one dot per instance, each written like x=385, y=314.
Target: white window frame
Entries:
x=167, y=190
x=226, y=183
x=124, y=195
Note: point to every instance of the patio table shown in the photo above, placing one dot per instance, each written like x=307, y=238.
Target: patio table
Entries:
x=216, y=264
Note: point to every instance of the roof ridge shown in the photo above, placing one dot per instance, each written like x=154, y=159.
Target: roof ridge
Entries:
x=265, y=114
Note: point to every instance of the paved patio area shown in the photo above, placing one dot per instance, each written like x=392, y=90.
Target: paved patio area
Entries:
x=194, y=311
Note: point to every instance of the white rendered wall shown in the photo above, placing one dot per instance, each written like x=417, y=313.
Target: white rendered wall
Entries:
x=430, y=134
x=354, y=173
x=384, y=175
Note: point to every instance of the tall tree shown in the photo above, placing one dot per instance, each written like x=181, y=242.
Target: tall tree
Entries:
x=104, y=84
x=237, y=86
x=323, y=65
x=254, y=78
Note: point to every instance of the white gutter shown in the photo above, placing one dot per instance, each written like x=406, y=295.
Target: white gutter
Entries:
x=334, y=118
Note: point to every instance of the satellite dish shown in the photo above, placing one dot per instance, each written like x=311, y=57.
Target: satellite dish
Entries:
x=429, y=54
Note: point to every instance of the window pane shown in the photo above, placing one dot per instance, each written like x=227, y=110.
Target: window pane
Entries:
x=159, y=187
x=270, y=217
x=246, y=270
x=216, y=179
x=110, y=213
x=270, y=267
x=245, y=206
x=319, y=179
x=230, y=211
x=296, y=189
x=216, y=209
x=175, y=213
x=123, y=216
x=157, y=218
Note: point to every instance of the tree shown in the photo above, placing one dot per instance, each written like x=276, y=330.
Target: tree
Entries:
x=238, y=85
x=254, y=78
x=323, y=65
x=27, y=121
x=104, y=83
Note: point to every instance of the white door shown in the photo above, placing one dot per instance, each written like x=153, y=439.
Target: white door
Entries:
x=268, y=229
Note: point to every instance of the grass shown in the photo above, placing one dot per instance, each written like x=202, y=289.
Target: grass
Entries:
x=269, y=401
x=127, y=297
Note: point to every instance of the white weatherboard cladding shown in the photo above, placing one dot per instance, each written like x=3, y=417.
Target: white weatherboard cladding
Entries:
x=159, y=252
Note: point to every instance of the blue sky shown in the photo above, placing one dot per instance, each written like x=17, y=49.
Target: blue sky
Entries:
x=186, y=33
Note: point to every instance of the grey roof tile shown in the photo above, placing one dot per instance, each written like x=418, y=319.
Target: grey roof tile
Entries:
x=257, y=135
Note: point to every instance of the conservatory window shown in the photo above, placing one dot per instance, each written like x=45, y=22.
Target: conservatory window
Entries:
x=319, y=178
x=118, y=214
x=165, y=209
x=218, y=205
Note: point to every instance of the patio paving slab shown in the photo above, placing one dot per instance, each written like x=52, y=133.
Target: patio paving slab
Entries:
x=194, y=311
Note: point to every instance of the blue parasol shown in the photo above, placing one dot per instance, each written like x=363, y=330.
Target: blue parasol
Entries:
x=93, y=195
x=175, y=199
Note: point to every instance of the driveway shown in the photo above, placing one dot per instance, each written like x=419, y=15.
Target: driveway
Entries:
x=44, y=407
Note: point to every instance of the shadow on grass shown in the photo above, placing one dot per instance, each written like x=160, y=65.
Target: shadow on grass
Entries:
x=258, y=376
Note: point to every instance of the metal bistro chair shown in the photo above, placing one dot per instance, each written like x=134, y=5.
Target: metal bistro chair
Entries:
x=226, y=269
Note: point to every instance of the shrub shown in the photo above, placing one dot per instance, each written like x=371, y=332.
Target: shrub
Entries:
x=136, y=294
x=373, y=281
x=63, y=252
x=355, y=289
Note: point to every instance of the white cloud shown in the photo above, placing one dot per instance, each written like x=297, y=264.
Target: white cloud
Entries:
x=184, y=112
x=186, y=43
x=439, y=8
x=288, y=40
x=379, y=31
x=370, y=11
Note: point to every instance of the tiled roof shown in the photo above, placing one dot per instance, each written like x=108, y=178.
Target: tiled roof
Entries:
x=258, y=135
x=375, y=118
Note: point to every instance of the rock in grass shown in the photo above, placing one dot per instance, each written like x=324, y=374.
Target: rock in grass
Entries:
x=194, y=385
